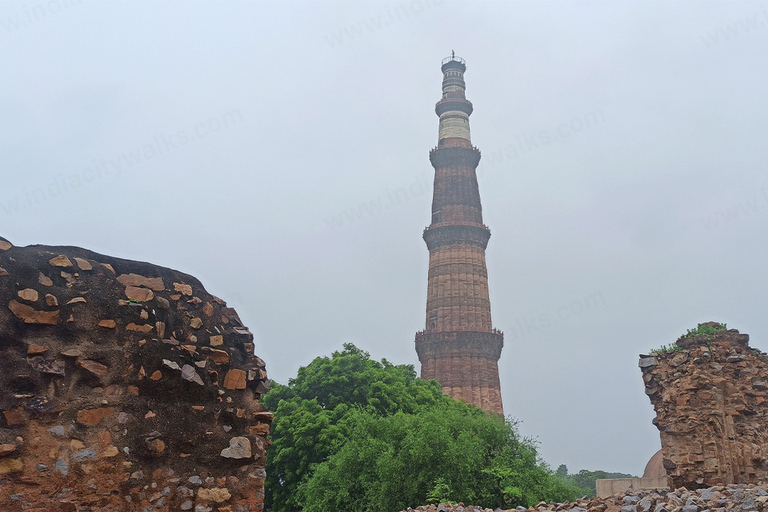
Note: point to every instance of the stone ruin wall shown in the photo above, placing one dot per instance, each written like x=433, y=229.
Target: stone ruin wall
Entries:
x=124, y=387
x=711, y=409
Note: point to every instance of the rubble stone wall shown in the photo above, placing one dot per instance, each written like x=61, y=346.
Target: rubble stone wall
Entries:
x=709, y=393
x=124, y=386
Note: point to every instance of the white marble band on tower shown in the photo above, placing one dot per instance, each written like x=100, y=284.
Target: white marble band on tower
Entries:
x=454, y=119
x=454, y=124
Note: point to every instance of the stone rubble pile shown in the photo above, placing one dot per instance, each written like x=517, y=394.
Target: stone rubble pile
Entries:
x=737, y=498
x=124, y=387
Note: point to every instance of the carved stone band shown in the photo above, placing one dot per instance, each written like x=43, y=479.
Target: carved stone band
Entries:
x=447, y=157
x=486, y=345
x=447, y=302
x=449, y=104
x=458, y=268
x=457, y=234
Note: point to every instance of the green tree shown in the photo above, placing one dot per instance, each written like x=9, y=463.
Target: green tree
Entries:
x=350, y=432
x=314, y=413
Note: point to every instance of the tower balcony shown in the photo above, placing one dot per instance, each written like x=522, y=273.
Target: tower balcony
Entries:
x=455, y=233
x=429, y=332
x=448, y=104
x=438, y=344
x=453, y=62
x=459, y=156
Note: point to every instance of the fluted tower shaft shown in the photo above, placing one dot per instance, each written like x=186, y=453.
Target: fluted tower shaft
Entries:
x=459, y=346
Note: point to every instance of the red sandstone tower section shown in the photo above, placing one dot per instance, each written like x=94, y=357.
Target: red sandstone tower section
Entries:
x=459, y=346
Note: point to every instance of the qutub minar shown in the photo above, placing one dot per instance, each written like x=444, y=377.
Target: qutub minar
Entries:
x=459, y=346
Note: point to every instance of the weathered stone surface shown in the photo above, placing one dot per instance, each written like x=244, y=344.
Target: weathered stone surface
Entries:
x=138, y=327
x=83, y=394
x=11, y=466
x=28, y=294
x=7, y=449
x=44, y=280
x=35, y=350
x=94, y=416
x=14, y=417
x=189, y=373
x=217, y=356
x=217, y=494
x=156, y=445
x=93, y=367
x=711, y=409
x=264, y=416
x=153, y=283
x=235, y=379
x=83, y=264
x=262, y=429
x=139, y=294
x=60, y=261
x=5, y=245
x=182, y=288
x=173, y=365
x=239, y=448
x=32, y=316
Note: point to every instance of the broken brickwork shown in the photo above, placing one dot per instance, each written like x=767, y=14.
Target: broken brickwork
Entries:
x=709, y=392
x=124, y=387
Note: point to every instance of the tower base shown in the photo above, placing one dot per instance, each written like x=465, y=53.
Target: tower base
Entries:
x=465, y=363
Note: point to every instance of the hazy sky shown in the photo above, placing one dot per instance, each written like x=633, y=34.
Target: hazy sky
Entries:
x=278, y=151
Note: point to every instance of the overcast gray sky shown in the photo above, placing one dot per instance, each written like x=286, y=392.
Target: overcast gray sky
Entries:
x=278, y=151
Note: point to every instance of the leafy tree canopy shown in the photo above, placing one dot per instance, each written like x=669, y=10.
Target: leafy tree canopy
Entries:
x=350, y=432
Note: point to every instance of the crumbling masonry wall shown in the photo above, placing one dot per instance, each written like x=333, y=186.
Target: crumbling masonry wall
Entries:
x=710, y=394
x=124, y=387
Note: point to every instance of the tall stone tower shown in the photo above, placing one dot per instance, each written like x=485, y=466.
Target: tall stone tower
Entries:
x=459, y=346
